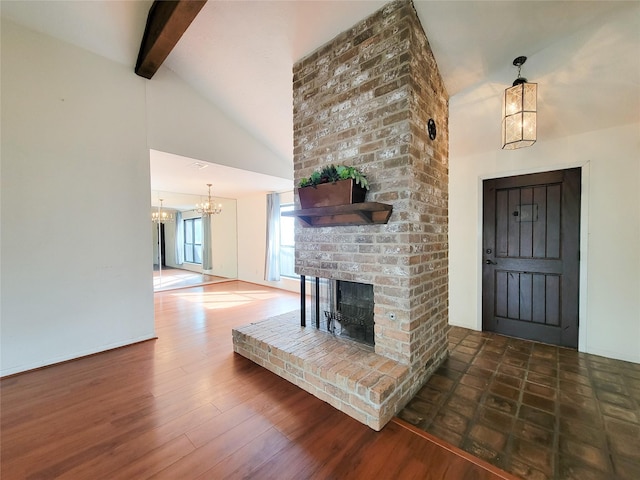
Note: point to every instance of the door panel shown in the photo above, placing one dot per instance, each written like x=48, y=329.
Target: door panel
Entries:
x=531, y=256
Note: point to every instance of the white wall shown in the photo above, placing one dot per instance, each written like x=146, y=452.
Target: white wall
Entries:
x=184, y=123
x=224, y=239
x=252, y=235
x=75, y=240
x=610, y=238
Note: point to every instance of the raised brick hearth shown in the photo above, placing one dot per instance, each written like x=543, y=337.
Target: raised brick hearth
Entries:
x=349, y=376
x=365, y=99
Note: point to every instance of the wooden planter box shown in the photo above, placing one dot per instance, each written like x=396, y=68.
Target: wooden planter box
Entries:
x=343, y=192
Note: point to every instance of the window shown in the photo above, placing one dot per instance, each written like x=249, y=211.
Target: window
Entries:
x=287, y=251
x=193, y=240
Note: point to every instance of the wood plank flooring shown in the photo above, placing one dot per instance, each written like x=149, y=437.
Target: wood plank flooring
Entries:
x=185, y=406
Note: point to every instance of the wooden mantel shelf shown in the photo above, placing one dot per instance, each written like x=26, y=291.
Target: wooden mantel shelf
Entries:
x=366, y=213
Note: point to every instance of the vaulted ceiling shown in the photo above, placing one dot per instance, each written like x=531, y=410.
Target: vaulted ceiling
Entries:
x=584, y=55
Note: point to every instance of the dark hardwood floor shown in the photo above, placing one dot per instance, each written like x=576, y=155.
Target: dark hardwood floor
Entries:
x=185, y=406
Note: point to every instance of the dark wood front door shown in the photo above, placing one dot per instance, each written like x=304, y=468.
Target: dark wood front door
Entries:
x=531, y=239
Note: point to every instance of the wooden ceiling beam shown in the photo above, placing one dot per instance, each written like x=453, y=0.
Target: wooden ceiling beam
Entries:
x=167, y=21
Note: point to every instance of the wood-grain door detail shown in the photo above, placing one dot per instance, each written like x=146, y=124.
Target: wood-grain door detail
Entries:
x=531, y=238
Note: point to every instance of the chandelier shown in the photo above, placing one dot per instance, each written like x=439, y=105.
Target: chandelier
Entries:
x=520, y=105
x=161, y=216
x=208, y=208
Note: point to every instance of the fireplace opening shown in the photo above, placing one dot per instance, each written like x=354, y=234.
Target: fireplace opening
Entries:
x=343, y=308
x=353, y=313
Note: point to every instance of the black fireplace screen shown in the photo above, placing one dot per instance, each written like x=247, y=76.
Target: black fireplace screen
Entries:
x=341, y=308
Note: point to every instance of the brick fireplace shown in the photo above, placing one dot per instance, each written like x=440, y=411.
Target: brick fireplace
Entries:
x=366, y=99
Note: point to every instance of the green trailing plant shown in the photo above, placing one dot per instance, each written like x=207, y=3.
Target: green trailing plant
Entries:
x=333, y=173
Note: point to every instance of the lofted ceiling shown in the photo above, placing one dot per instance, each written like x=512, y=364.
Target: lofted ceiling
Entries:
x=584, y=55
x=173, y=175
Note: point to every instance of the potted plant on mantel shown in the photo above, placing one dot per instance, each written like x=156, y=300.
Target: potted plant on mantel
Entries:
x=332, y=185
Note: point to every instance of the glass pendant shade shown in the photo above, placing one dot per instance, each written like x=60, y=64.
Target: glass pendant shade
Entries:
x=519, y=122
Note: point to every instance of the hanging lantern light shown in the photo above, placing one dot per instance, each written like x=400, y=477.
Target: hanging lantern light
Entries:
x=520, y=109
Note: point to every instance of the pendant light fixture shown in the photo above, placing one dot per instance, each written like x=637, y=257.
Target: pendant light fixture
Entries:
x=208, y=208
x=520, y=109
x=161, y=216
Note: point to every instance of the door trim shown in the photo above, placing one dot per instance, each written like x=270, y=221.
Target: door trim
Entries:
x=584, y=229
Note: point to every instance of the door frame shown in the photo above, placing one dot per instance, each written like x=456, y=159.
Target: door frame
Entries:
x=584, y=229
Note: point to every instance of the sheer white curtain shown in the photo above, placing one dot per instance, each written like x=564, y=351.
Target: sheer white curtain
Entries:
x=179, y=239
x=207, y=247
x=272, y=260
